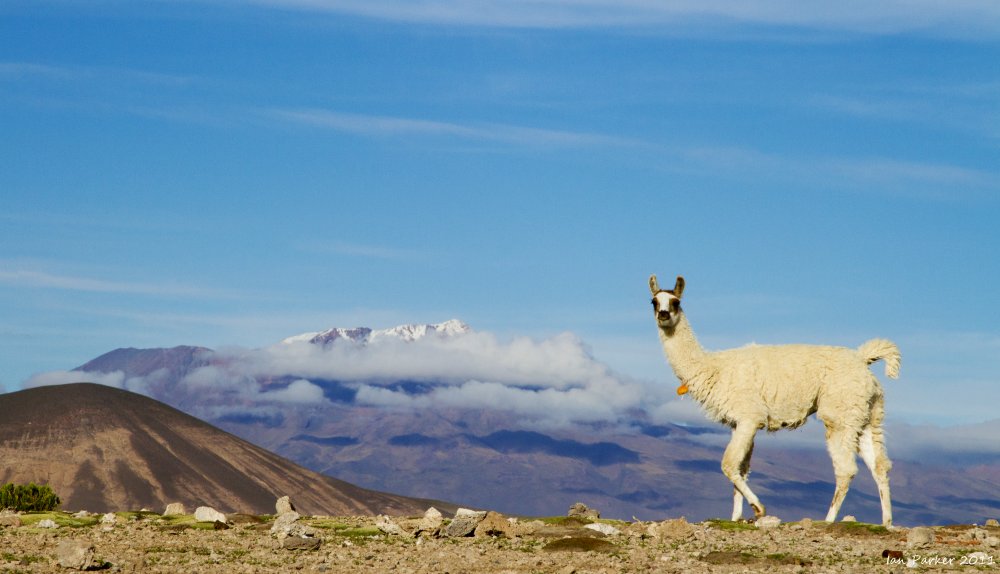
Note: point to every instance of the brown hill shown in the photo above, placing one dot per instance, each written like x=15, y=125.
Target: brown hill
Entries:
x=105, y=449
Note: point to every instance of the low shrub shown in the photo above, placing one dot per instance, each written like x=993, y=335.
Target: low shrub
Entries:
x=29, y=497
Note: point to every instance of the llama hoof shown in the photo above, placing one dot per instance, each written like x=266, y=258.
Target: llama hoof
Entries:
x=758, y=511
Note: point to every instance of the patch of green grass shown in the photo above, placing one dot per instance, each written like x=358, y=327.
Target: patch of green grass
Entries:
x=857, y=528
x=63, y=519
x=565, y=520
x=731, y=525
x=137, y=514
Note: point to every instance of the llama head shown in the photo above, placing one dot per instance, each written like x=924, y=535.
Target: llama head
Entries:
x=666, y=302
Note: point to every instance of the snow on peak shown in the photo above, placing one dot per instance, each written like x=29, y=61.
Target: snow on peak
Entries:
x=363, y=335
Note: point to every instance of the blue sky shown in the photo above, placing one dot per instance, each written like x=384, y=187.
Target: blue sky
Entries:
x=229, y=173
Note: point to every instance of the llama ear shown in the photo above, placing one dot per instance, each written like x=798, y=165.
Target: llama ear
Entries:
x=679, y=287
x=654, y=286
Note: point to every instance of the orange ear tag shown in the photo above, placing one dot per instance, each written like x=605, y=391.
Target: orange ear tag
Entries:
x=682, y=390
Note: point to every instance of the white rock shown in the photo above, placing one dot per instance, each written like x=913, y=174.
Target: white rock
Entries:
x=174, y=509
x=208, y=514
x=386, y=524
x=75, y=554
x=849, y=518
x=109, y=518
x=767, y=522
x=47, y=523
x=603, y=528
x=283, y=505
x=920, y=536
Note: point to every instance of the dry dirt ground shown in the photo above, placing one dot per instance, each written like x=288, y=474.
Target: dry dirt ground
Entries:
x=149, y=542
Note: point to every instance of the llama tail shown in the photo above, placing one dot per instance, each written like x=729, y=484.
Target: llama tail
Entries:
x=877, y=349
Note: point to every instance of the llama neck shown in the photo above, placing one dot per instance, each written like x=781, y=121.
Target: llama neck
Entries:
x=685, y=355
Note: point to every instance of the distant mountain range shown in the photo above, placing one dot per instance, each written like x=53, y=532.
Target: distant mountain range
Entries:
x=103, y=449
x=441, y=411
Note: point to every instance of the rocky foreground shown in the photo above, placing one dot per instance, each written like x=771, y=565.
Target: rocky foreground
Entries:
x=475, y=542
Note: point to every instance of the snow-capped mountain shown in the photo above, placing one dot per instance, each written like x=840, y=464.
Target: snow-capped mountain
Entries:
x=363, y=335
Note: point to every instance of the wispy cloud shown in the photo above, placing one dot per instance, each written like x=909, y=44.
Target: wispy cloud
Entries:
x=977, y=18
x=389, y=126
x=42, y=279
x=893, y=176
x=360, y=250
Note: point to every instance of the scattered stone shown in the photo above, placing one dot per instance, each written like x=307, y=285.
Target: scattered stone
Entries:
x=174, y=509
x=47, y=523
x=11, y=520
x=387, y=525
x=580, y=510
x=464, y=523
x=767, y=522
x=217, y=525
x=849, y=518
x=283, y=505
x=919, y=537
x=431, y=523
x=676, y=529
x=993, y=522
x=493, y=524
x=110, y=518
x=208, y=514
x=806, y=523
x=75, y=554
x=300, y=543
x=81, y=514
x=605, y=529
x=283, y=523
x=992, y=541
x=980, y=534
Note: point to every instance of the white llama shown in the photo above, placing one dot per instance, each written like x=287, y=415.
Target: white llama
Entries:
x=778, y=387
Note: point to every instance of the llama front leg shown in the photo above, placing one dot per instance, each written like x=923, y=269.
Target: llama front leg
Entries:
x=736, y=465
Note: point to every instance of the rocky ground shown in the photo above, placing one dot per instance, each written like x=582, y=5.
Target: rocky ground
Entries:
x=474, y=542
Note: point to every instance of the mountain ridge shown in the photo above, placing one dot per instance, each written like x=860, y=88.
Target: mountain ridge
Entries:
x=118, y=450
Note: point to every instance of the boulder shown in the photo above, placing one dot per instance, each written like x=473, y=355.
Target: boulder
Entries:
x=208, y=514
x=12, y=520
x=75, y=554
x=493, y=524
x=849, y=518
x=676, y=529
x=767, y=522
x=431, y=523
x=283, y=505
x=464, y=523
x=287, y=525
x=919, y=537
x=993, y=522
x=109, y=518
x=605, y=529
x=47, y=523
x=174, y=509
x=388, y=526
x=580, y=510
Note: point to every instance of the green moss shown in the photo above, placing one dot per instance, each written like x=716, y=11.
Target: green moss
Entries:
x=729, y=524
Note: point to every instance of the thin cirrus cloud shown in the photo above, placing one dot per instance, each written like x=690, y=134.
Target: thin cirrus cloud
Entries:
x=390, y=126
x=964, y=18
x=41, y=279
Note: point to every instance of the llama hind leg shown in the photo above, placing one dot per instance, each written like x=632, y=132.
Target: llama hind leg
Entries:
x=736, y=465
x=872, y=448
x=737, y=496
x=842, y=443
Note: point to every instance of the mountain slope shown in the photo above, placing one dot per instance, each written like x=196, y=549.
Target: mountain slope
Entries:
x=106, y=449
